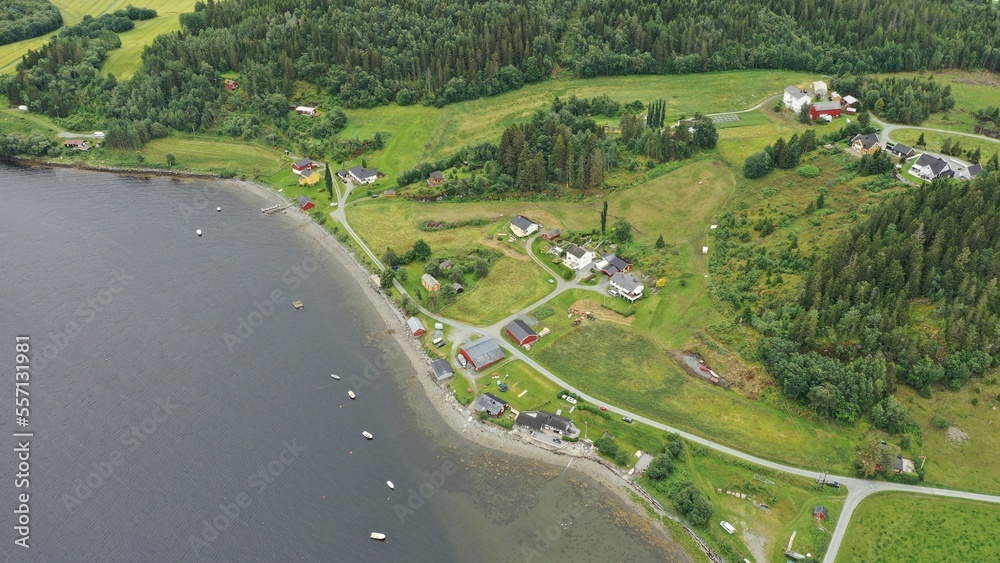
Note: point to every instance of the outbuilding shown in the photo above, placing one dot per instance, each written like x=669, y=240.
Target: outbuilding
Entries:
x=521, y=332
x=302, y=164
x=830, y=109
x=493, y=405
x=442, y=369
x=482, y=353
x=416, y=327
x=305, y=203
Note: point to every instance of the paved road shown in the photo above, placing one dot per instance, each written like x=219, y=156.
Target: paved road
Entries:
x=857, y=489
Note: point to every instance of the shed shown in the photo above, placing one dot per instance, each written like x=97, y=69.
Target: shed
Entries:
x=820, y=512
x=430, y=283
x=416, y=327
x=491, y=404
x=551, y=234
x=831, y=109
x=306, y=110
x=305, y=203
x=521, y=332
x=482, y=353
x=446, y=265
x=436, y=178
x=457, y=287
x=389, y=193
x=442, y=369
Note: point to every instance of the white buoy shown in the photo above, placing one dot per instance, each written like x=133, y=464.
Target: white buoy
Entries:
x=198, y=232
x=219, y=209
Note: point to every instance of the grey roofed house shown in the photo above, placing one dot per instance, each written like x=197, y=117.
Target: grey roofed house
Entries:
x=520, y=330
x=363, y=174
x=442, y=369
x=902, y=150
x=867, y=141
x=446, y=265
x=826, y=106
x=577, y=251
x=968, y=172
x=437, y=175
x=798, y=92
x=937, y=165
x=612, y=264
x=522, y=222
x=628, y=282
x=303, y=162
x=490, y=403
x=551, y=234
x=482, y=352
x=543, y=420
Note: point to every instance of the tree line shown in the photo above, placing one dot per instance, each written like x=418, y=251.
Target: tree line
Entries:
x=24, y=19
x=897, y=99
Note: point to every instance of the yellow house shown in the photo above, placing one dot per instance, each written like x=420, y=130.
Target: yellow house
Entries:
x=309, y=177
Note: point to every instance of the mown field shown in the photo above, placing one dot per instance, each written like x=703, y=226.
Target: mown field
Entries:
x=631, y=370
x=122, y=62
x=511, y=285
x=906, y=527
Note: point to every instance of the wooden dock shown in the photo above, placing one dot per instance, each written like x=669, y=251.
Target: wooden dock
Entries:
x=274, y=208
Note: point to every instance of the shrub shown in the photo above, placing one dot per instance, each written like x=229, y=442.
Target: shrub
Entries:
x=939, y=422
x=807, y=171
x=757, y=165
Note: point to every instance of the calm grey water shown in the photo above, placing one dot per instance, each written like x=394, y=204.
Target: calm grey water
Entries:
x=159, y=439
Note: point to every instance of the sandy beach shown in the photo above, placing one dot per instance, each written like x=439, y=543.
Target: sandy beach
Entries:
x=452, y=413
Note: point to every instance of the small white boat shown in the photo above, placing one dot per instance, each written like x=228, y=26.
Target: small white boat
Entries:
x=335, y=376
x=198, y=232
x=391, y=486
x=352, y=395
x=219, y=209
x=377, y=536
x=367, y=434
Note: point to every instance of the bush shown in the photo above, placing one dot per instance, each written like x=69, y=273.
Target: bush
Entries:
x=807, y=171
x=757, y=165
x=691, y=503
x=660, y=468
x=939, y=422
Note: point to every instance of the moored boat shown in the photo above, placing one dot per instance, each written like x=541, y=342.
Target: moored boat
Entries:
x=352, y=395
x=377, y=536
x=335, y=376
x=367, y=434
x=391, y=486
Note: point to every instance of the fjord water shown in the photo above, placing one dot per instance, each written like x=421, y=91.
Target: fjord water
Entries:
x=157, y=438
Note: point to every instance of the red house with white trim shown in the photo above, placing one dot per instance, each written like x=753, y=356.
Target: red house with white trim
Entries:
x=818, y=109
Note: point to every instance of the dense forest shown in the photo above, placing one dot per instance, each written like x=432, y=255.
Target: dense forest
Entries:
x=896, y=99
x=565, y=147
x=24, y=19
x=910, y=294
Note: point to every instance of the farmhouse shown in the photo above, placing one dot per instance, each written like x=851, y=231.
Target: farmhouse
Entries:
x=578, y=257
x=482, y=353
x=551, y=234
x=360, y=175
x=866, y=143
x=416, y=327
x=491, y=404
x=829, y=109
x=612, y=264
x=442, y=369
x=309, y=177
x=795, y=97
x=929, y=167
x=899, y=149
x=430, y=283
x=820, y=88
x=963, y=172
x=521, y=226
x=521, y=332
x=306, y=110
x=343, y=175
x=546, y=421
x=78, y=144
x=302, y=164
x=435, y=179
x=305, y=203
x=627, y=285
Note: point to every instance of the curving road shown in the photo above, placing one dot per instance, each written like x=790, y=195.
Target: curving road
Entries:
x=857, y=489
x=888, y=128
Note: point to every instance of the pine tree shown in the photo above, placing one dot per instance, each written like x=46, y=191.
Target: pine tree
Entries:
x=604, y=216
x=329, y=181
x=921, y=142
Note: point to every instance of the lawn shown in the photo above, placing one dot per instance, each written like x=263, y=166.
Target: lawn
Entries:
x=790, y=502
x=737, y=143
x=646, y=379
x=122, y=62
x=959, y=464
x=511, y=285
x=907, y=527
x=12, y=120
x=205, y=154
x=936, y=140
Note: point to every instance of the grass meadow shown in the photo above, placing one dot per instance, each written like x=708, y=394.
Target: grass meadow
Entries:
x=935, y=140
x=914, y=528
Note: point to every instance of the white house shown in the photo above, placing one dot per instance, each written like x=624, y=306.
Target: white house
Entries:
x=521, y=226
x=306, y=110
x=627, y=285
x=929, y=167
x=796, y=97
x=820, y=88
x=578, y=257
x=362, y=175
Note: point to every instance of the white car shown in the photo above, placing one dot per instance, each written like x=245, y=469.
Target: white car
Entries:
x=99, y=133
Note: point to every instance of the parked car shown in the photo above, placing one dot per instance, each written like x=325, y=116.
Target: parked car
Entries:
x=613, y=293
x=627, y=419
x=99, y=134
x=604, y=408
x=556, y=440
x=727, y=526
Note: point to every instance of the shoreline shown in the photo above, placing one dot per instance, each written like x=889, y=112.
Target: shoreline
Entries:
x=487, y=435
x=127, y=171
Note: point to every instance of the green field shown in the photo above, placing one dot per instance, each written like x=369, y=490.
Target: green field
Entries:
x=122, y=62
x=629, y=369
x=952, y=463
x=737, y=143
x=935, y=140
x=972, y=90
x=906, y=527
x=510, y=285
x=201, y=154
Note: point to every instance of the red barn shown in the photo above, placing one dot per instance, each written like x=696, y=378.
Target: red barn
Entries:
x=305, y=203
x=521, y=332
x=824, y=108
